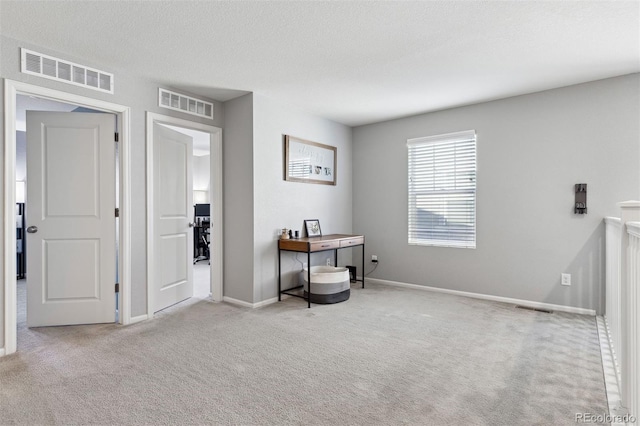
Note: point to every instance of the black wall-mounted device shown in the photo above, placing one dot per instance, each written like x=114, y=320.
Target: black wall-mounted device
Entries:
x=580, y=206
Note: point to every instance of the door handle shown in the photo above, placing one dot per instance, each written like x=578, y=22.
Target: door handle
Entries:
x=32, y=229
x=191, y=224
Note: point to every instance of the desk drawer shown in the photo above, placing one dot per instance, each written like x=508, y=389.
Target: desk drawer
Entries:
x=325, y=245
x=352, y=242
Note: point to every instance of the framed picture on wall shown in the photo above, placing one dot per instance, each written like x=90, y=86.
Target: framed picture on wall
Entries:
x=309, y=162
x=313, y=228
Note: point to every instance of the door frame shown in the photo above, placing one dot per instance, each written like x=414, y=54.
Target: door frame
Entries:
x=11, y=91
x=215, y=188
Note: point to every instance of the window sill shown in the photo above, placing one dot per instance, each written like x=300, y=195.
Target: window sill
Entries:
x=442, y=243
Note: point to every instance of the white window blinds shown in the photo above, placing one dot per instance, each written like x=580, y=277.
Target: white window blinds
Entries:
x=442, y=190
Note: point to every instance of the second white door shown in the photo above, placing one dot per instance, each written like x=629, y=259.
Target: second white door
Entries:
x=173, y=216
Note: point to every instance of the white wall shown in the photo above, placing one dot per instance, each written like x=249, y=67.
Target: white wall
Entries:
x=531, y=151
x=201, y=174
x=282, y=204
x=138, y=93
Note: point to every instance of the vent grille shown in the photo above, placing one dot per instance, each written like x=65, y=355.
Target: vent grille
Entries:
x=184, y=103
x=68, y=72
x=528, y=308
x=30, y=62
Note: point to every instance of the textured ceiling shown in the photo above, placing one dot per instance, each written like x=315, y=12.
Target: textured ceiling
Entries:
x=352, y=62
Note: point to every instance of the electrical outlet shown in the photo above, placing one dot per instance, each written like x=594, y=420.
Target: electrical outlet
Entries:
x=374, y=258
x=565, y=279
x=328, y=261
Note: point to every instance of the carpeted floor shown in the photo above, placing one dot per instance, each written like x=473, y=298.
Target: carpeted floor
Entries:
x=387, y=356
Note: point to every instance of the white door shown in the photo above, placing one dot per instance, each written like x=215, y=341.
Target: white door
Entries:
x=71, y=270
x=173, y=214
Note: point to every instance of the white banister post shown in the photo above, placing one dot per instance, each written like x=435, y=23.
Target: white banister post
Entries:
x=630, y=212
x=633, y=278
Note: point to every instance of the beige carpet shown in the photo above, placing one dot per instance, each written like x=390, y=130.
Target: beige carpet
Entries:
x=386, y=356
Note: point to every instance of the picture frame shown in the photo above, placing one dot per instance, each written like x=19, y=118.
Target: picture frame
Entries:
x=313, y=228
x=309, y=162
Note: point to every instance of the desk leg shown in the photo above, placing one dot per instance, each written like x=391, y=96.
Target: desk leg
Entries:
x=335, y=258
x=362, y=265
x=279, y=275
x=308, y=279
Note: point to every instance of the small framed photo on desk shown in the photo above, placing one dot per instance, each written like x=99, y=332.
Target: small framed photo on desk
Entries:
x=313, y=228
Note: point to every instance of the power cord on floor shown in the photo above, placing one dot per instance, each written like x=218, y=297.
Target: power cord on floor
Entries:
x=371, y=271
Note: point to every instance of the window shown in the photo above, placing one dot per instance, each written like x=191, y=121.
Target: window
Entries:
x=442, y=190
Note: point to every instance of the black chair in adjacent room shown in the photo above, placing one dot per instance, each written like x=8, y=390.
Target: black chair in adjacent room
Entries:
x=201, y=232
x=203, y=246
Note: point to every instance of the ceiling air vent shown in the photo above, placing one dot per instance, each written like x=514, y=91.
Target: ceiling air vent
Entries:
x=68, y=72
x=178, y=102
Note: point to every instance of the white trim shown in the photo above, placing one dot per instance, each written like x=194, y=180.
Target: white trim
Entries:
x=248, y=304
x=139, y=318
x=125, y=217
x=609, y=370
x=441, y=243
x=11, y=90
x=633, y=228
x=528, y=303
x=631, y=204
x=237, y=302
x=265, y=302
x=465, y=135
x=9, y=248
x=215, y=185
x=616, y=221
x=1, y=352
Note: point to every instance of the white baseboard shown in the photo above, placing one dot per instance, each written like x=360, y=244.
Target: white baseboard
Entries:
x=237, y=302
x=265, y=302
x=2, y=352
x=528, y=303
x=248, y=304
x=139, y=318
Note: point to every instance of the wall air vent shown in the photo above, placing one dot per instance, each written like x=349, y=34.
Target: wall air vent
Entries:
x=184, y=103
x=68, y=72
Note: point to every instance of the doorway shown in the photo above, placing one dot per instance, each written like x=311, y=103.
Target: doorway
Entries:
x=185, y=236
x=13, y=90
x=201, y=216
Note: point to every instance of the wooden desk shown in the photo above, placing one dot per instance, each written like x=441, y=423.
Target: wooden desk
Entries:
x=310, y=245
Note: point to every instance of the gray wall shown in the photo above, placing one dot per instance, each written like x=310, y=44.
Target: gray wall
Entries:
x=531, y=151
x=258, y=201
x=140, y=95
x=238, y=198
x=282, y=204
